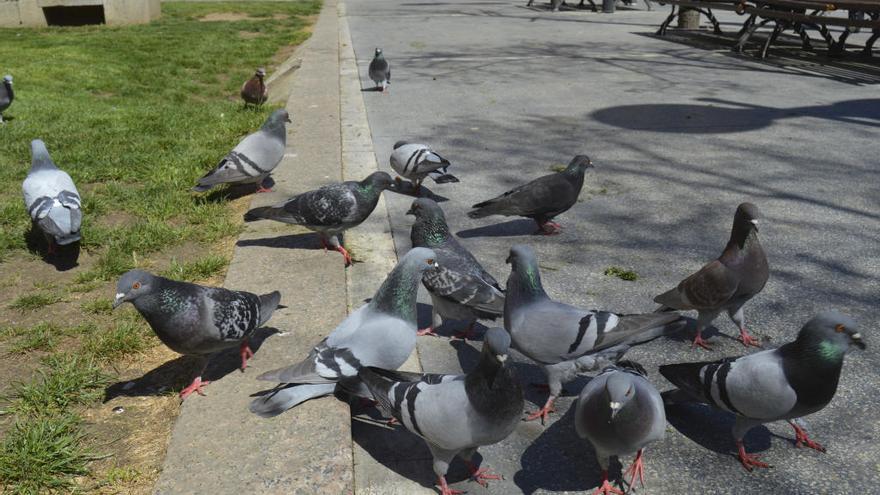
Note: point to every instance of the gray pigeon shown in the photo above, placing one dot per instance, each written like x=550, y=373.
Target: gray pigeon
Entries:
x=254, y=90
x=564, y=340
x=455, y=414
x=460, y=289
x=541, y=199
x=196, y=320
x=252, y=159
x=620, y=413
x=330, y=210
x=380, y=333
x=726, y=283
x=51, y=199
x=380, y=71
x=415, y=161
x=6, y=95
x=790, y=382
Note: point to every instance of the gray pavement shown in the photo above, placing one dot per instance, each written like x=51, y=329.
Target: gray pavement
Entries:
x=679, y=135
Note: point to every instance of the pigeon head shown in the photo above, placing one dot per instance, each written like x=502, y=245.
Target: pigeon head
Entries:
x=132, y=285
x=579, y=164
x=430, y=228
x=419, y=259
x=397, y=295
x=378, y=53
x=7, y=80
x=261, y=72
x=831, y=334
x=40, y=155
x=521, y=258
x=277, y=119
x=525, y=277
x=426, y=208
x=378, y=182
x=619, y=390
x=748, y=215
x=399, y=144
x=496, y=342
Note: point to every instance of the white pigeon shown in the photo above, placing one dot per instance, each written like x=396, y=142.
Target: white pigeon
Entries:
x=415, y=161
x=51, y=199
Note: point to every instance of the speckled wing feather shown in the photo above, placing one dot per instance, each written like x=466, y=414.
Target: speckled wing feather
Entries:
x=329, y=206
x=467, y=290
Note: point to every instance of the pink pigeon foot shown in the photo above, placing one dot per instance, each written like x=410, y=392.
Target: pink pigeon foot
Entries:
x=445, y=490
x=246, y=353
x=746, y=339
x=803, y=440
x=543, y=412
x=426, y=331
x=345, y=255
x=481, y=475
x=195, y=386
x=637, y=468
x=749, y=461
x=606, y=488
x=698, y=341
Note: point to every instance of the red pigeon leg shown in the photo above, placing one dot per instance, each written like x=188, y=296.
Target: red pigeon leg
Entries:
x=544, y=411
x=749, y=461
x=698, y=341
x=345, y=255
x=637, y=468
x=445, y=490
x=427, y=331
x=246, y=353
x=606, y=488
x=195, y=386
x=747, y=339
x=803, y=440
x=481, y=475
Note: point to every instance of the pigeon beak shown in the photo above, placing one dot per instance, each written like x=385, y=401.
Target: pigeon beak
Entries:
x=754, y=222
x=615, y=407
x=501, y=357
x=509, y=260
x=436, y=265
x=410, y=212
x=288, y=120
x=120, y=298
x=857, y=340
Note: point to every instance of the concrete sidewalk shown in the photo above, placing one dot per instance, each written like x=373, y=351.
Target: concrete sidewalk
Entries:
x=217, y=445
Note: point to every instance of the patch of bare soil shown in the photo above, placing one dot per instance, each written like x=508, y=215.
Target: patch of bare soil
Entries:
x=225, y=17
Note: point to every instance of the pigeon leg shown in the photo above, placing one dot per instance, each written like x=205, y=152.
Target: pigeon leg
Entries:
x=698, y=341
x=547, y=228
x=749, y=461
x=739, y=319
x=445, y=490
x=468, y=333
x=544, y=411
x=637, y=468
x=803, y=439
x=427, y=331
x=606, y=488
x=263, y=189
x=195, y=386
x=747, y=339
x=246, y=353
x=345, y=255
x=481, y=475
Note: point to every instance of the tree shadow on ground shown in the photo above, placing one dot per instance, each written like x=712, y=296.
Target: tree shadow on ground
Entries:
x=179, y=372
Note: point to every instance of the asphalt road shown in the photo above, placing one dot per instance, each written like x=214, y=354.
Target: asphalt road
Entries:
x=679, y=136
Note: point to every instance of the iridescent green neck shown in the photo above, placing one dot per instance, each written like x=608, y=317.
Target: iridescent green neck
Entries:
x=525, y=281
x=397, y=295
x=429, y=232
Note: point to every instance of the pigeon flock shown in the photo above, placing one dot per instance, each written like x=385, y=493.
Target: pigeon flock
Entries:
x=619, y=412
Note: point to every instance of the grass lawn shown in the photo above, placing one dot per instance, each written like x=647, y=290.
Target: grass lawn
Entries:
x=134, y=114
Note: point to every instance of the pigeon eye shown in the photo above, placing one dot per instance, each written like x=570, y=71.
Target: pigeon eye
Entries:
x=136, y=285
x=430, y=261
x=840, y=328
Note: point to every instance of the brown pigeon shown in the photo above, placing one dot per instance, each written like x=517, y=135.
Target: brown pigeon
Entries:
x=254, y=90
x=726, y=283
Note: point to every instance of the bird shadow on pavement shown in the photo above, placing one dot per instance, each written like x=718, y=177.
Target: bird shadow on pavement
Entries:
x=511, y=228
x=235, y=191
x=449, y=328
x=559, y=460
x=407, y=188
x=179, y=372
x=308, y=240
x=65, y=257
x=711, y=428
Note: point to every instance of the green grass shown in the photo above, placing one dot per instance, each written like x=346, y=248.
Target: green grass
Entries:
x=201, y=269
x=135, y=114
x=33, y=302
x=622, y=274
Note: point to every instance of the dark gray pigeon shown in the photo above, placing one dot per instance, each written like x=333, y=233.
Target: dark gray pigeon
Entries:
x=380, y=71
x=726, y=283
x=455, y=414
x=252, y=159
x=564, y=340
x=196, y=320
x=620, y=413
x=6, y=95
x=541, y=199
x=416, y=161
x=790, y=382
x=330, y=210
x=460, y=289
x=380, y=333
x=51, y=199
x=254, y=90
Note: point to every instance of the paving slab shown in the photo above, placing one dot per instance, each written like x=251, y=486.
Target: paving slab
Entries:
x=680, y=135
x=217, y=445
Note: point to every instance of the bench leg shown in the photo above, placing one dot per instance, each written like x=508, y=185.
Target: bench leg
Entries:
x=744, y=37
x=665, y=24
x=806, y=44
x=648, y=5
x=777, y=30
x=746, y=25
x=838, y=48
x=715, y=25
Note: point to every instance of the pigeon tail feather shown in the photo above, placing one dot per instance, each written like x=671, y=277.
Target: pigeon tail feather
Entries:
x=279, y=400
x=441, y=178
x=686, y=376
x=268, y=304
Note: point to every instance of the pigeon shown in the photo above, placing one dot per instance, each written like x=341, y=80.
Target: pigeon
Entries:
x=196, y=320
x=460, y=289
x=252, y=159
x=455, y=414
x=620, y=412
x=254, y=90
x=6, y=95
x=330, y=210
x=564, y=340
x=380, y=71
x=726, y=283
x=380, y=333
x=541, y=199
x=51, y=199
x=416, y=161
x=790, y=382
